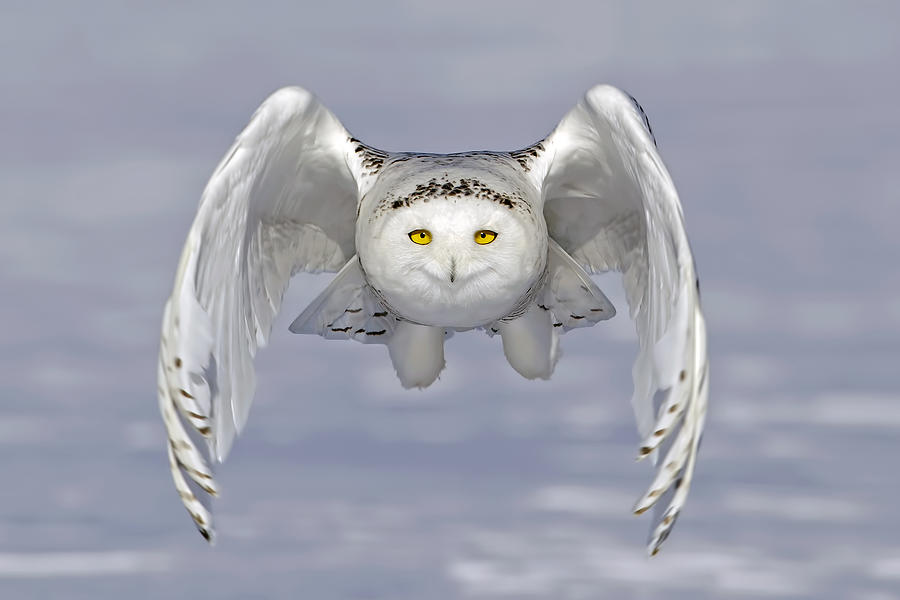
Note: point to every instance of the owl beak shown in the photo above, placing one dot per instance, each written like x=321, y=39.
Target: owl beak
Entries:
x=452, y=270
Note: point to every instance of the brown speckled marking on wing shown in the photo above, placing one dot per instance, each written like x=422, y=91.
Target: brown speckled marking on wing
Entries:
x=525, y=157
x=372, y=159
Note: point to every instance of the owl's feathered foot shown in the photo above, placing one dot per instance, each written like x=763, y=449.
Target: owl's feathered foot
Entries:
x=417, y=352
x=530, y=343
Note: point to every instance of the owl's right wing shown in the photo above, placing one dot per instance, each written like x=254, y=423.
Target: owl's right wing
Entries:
x=283, y=200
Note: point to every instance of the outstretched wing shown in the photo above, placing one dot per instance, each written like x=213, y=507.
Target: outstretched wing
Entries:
x=610, y=203
x=283, y=200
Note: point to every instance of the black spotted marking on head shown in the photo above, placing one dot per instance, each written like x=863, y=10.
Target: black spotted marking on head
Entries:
x=484, y=192
x=464, y=187
x=682, y=376
x=423, y=191
x=448, y=181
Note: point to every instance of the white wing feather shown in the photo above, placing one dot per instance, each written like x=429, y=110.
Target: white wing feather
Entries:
x=610, y=202
x=284, y=199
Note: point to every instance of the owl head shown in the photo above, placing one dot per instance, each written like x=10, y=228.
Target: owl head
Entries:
x=450, y=246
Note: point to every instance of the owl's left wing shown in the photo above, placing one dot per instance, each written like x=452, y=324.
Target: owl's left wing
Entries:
x=610, y=203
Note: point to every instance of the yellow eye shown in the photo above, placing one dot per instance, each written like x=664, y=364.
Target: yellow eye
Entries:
x=485, y=236
x=420, y=236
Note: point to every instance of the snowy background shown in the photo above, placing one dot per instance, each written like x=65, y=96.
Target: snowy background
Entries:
x=779, y=123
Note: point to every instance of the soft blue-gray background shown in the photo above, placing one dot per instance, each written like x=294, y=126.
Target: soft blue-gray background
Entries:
x=779, y=122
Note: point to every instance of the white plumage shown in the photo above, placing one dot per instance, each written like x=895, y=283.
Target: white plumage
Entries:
x=425, y=244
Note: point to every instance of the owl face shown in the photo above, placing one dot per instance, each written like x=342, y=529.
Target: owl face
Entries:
x=454, y=261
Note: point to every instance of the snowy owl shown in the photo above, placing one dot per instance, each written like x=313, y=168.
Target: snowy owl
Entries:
x=426, y=244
